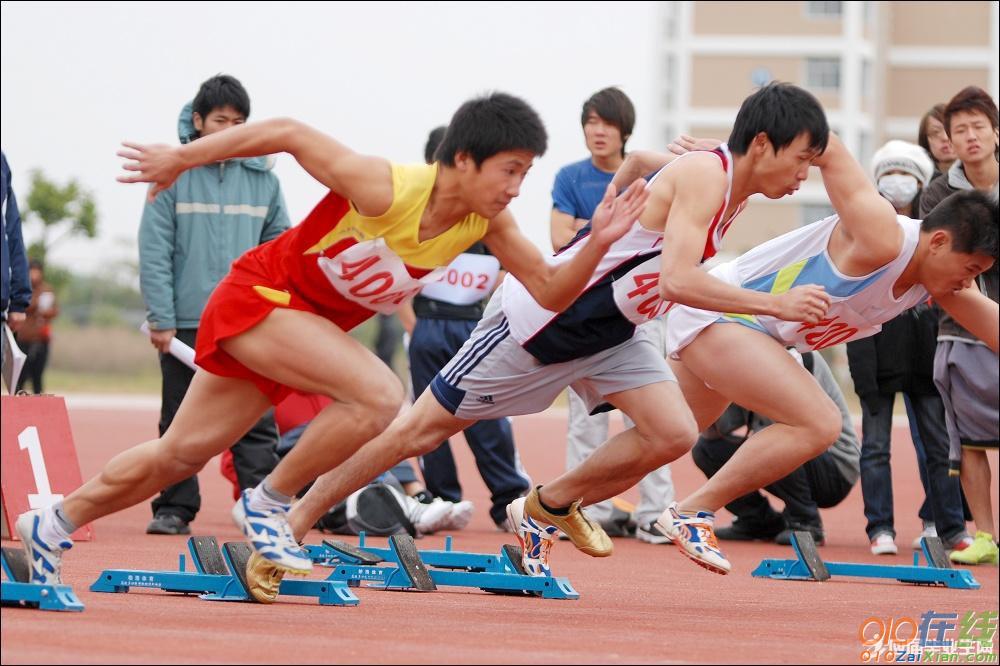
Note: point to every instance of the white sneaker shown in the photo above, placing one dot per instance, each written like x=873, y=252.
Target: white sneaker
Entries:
x=694, y=532
x=44, y=559
x=930, y=530
x=883, y=544
x=426, y=518
x=461, y=514
x=536, y=539
x=271, y=536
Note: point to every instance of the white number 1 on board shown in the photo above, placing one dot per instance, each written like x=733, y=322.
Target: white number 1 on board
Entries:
x=28, y=439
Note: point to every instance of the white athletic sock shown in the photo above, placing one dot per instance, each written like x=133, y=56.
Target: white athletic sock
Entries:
x=264, y=498
x=50, y=531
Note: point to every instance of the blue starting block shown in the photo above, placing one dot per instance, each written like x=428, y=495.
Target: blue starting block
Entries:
x=218, y=577
x=402, y=567
x=809, y=566
x=17, y=590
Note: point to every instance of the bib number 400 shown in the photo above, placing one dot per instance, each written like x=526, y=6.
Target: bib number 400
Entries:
x=370, y=275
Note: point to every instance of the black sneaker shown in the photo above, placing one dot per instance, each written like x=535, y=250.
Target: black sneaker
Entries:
x=784, y=537
x=652, y=533
x=167, y=523
x=751, y=530
x=620, y=524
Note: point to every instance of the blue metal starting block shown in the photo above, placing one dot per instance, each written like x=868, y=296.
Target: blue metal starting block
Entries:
x=402, y=567
x=809, y=566
x=17, y=590
x=218, y=577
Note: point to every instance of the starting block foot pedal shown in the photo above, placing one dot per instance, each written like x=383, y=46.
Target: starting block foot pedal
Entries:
x=362, y=556
x=935, y=553
x=237, y=554
x=411, y=564
x=18, y=590
x=805, y=548
x=15, y=565
x=206, y=556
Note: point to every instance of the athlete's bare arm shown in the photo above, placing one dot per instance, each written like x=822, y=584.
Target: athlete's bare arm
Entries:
x=975, y=312
x=868, y=226
x=690, y=196
x=556, y=287
x=365, y=180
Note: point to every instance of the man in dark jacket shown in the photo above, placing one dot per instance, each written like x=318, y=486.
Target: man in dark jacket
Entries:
x=16, y=291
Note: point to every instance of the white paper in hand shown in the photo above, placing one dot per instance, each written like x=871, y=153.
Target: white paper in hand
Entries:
x=13, y=360
x=178, y=349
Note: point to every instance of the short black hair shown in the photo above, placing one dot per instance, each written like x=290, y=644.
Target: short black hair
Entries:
x=492, y=124
x=433, y=141
x=971, y=99
x=612, y=106
x=219, y=91
x=783, y=112
x=971, y=217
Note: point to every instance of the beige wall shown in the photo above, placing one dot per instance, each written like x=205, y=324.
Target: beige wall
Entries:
x=724, y=81
x=760, y=18
x=705, y=132
x=939, y=23
x=910, y=91
x=758, y=223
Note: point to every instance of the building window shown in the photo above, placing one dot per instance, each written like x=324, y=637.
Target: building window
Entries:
x=824, y=9
x=823, y=73
x=814, y=213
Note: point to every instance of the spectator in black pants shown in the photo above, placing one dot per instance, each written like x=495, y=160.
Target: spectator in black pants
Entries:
x=821, y=483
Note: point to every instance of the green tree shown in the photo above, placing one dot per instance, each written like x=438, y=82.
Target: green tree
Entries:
x=62, y=211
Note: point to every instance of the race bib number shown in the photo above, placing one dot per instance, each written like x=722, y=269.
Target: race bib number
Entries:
x=373, y=276
x=637, y=293
x=841, y=324
x=467, y=280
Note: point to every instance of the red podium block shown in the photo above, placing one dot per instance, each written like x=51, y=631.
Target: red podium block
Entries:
x=40, y=466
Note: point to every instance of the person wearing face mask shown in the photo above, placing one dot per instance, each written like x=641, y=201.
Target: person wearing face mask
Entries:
x=899, y=360
x=901, y=170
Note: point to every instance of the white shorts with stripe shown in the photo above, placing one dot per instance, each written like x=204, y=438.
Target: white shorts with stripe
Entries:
x=493, y=376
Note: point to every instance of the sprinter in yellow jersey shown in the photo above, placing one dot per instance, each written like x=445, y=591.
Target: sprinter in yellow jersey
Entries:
x=278, y=322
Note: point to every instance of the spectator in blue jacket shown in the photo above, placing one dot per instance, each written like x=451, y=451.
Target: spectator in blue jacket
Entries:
x=16, y=293
x=188, y=237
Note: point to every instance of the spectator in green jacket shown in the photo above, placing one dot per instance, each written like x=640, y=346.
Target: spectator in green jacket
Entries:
x=188, y=237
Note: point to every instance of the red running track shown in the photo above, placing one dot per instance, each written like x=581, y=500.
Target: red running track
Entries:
x=646, y=604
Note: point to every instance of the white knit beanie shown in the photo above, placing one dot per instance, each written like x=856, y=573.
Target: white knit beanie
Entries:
x=902, y=156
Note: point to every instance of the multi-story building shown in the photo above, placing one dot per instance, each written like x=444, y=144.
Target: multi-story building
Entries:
x=876, y=67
